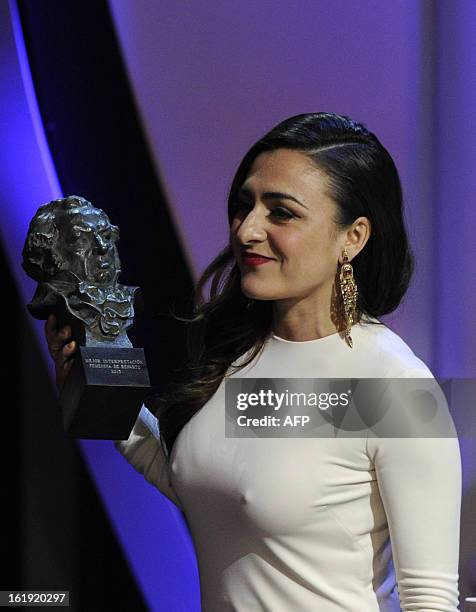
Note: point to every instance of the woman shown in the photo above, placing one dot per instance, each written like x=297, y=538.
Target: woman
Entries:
x=318, y=251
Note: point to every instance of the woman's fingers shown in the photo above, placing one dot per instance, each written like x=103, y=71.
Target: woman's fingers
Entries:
x=50, y=324
x=62, y=373
x=65, y=354
x=61, y=348
x=67, y=367
x=64, y=362
x=55, y=338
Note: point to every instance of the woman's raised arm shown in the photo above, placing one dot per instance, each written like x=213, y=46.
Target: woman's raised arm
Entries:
x=142, y=449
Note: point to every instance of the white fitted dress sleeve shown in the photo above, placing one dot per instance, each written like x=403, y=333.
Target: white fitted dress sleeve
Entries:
x=420, y=484
x=419, y=481
x=144, y=451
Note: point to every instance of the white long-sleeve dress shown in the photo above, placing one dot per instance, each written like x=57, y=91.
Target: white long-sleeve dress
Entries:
x=314, y=524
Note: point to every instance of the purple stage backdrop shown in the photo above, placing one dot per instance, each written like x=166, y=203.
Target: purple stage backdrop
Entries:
x=209, y=78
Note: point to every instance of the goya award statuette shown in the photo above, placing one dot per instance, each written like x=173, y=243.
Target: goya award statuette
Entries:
x=71, y=252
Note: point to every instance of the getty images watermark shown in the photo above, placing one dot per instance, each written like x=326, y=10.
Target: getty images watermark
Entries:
x=345, y=407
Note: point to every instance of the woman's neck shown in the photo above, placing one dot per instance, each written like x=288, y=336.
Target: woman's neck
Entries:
x=310, y=318
x=297, y=324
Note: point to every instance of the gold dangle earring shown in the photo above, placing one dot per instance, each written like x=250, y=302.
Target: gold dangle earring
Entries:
x=348, y=288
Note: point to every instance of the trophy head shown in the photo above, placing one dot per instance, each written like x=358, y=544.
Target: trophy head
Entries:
x=71, y=240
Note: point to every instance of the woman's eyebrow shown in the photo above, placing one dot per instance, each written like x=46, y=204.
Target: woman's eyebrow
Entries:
x=272, y=195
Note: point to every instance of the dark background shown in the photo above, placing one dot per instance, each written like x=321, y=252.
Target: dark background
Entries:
x=54, y=527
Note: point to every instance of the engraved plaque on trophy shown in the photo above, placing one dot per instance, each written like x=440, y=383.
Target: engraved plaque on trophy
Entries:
x=71, y=252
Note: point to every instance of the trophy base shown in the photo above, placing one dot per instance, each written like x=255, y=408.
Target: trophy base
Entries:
x=103, y=393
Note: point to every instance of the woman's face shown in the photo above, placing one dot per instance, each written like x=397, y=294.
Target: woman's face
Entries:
x=283, y=213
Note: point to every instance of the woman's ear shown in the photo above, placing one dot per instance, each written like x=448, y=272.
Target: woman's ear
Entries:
x=357, y=236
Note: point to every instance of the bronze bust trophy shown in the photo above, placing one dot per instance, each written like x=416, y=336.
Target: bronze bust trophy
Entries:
x=71, y=252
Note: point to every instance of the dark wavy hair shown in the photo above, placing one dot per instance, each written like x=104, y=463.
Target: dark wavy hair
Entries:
x=362, y=181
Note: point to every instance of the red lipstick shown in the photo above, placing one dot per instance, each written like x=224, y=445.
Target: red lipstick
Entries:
x=253, y=259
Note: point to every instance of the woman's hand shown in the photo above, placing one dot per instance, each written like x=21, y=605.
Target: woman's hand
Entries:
x=61, y=348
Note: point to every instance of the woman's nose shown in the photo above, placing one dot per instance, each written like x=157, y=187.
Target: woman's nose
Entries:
x=252, y=227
